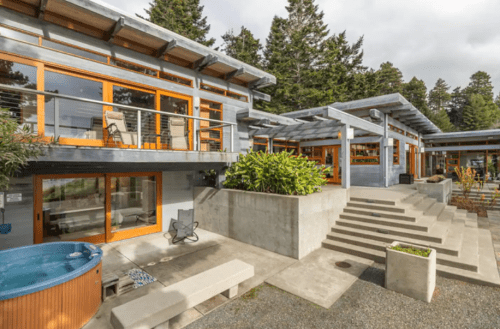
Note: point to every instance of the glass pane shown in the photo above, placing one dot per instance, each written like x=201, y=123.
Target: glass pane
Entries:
x=133, y=67
x=212, y=89
x=329, y=157
x=133, y=202
x=141, y=99
x=18, y=35
x=73, y=208
x=74, y=51
x=493, y=166
x=175, y=134
x=21, y=106
x=77, y=119
x=258, y=148
x=176, y=79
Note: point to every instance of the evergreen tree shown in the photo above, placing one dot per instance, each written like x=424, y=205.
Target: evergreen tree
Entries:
x=294, y=51
x=389, y=79
x=497, y=100
x=456, y=106
x=184, y=17
x=480, y=84
x=442, y=120
x=479, y=114
x=243, y=47
x=439, y=96
x=415, y=92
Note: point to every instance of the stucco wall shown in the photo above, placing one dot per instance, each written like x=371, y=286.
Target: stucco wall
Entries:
x=292, y=226
x=177, y=194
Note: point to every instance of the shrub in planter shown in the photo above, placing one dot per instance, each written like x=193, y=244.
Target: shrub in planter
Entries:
x=281, y=173
x=436, y=179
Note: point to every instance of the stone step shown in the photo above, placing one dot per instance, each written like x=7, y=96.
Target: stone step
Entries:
x=423, y=206
x=435, y=210
x=374, y=201
x=486, y=275
x=446, y=216
x=435, y=235
x=413, y=200
x=451, y=246
x=334, y=239
x=384, y=221
x=376, y=207
x=381, y=214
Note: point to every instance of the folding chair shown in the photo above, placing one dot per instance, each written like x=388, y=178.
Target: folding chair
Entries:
x=117, y=128
x=185, y=226
x=178, y=134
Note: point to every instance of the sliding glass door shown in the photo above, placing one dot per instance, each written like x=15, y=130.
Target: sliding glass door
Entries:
x=96, y=207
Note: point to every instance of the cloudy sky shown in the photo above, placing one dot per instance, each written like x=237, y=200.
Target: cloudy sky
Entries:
x=429, y=39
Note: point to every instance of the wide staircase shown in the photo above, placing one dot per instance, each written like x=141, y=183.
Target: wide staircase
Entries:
x=464, y=251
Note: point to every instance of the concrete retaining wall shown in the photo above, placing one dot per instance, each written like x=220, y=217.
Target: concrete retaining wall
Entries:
x=292, y=226
x=439, y=191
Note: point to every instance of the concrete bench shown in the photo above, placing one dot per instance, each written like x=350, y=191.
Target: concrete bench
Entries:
x=156, y=309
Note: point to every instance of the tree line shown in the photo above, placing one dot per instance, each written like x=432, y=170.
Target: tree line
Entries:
x=315, y=68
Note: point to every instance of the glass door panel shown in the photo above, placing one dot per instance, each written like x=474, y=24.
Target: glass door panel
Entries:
x=174, y=131
x=73, y=208
x=133, y=202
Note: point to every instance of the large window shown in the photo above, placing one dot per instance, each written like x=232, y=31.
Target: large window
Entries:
x=20, y=105
x=365, y=154
x=77, y=119
x=260, y=144
x=395, y=152
x=281, y=145
x=313, y=153
x=210, y=138
x=175, y=131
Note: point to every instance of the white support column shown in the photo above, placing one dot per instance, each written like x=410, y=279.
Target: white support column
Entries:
x=196, y=112
x=419, y=156
x=385, y=151
x=139, y=130
x=270, y=145
x=346, y=157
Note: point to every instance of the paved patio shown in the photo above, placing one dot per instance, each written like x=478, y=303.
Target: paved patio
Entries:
x=169, y=264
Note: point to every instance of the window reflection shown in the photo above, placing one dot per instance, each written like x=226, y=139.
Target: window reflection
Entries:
x=76, y=119
x=174, y=130
x=21, y=106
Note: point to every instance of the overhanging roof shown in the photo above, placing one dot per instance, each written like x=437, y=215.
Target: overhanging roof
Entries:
x=477, y=135
x=108, y=23
x=396, y=105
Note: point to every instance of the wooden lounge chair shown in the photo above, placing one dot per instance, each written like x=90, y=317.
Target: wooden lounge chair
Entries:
x=117, y=128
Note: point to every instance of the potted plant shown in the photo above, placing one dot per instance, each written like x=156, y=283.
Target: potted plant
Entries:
x=411, y=270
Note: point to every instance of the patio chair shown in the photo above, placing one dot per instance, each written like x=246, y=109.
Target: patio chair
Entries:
x=117, y=128
x=185, y=226
x=177, y=134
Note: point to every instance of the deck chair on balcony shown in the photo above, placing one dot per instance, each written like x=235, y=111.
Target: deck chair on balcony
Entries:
x=185, y=226
x=177, y=134
x=117, y=129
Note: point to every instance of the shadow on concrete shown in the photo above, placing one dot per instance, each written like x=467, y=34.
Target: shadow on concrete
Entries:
x=374, y=275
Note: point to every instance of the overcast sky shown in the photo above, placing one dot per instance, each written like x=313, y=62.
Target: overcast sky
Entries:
x=429, y=39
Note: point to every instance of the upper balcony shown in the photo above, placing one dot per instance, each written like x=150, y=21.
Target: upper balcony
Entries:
x=137, y=127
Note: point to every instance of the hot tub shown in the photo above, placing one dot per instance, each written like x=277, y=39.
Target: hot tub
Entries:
x=50, y=285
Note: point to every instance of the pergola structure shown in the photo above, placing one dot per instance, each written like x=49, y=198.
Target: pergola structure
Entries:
x=369, y=118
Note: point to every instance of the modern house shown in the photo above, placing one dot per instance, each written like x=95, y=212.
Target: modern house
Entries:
x=133, y=113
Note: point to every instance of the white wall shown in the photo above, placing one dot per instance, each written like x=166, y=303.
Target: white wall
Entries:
x=177, y=194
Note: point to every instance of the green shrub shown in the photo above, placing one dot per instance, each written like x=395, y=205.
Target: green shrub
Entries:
x=414, y=251
x=280, y=173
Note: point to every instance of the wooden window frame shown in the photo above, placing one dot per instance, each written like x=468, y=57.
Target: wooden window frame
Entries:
x=134, y=64
x=357, y=157
x=412, y=136
x=175, y=76
x=396, y=129
x=109, y=236
x=310, y=155
x=395, y=155
x=285, y=144
x=223, y=92
x=221, y=139
x=266, y=144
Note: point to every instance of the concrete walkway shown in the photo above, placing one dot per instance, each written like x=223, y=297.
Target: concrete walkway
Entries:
x=169, y=264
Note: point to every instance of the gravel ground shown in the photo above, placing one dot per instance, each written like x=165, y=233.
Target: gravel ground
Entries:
x=365, y=305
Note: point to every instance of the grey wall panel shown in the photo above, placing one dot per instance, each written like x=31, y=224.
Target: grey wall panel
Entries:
x=366, y=175
x=177, y=194
x=19, y=214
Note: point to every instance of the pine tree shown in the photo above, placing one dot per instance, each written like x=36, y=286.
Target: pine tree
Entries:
x=480, y=84
x=184, y=17
x=389, y=79
x=479, y=114
x=456, y=106
x=497, y=100
x=243, y=47
x=294, y=51
x=415, y=92
x=442, y=120
x=439, y=96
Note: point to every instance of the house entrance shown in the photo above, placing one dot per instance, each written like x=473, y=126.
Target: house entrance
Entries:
x=331, y=158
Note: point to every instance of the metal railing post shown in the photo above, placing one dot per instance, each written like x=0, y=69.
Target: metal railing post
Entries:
x=139, y=132
x=56, y=118
x=231, y=140
x=198, y=137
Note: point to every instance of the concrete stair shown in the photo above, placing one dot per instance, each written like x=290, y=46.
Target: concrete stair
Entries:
x=464, y=252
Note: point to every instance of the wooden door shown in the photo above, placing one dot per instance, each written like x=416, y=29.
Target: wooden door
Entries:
x=411, y=160
x=331, y=159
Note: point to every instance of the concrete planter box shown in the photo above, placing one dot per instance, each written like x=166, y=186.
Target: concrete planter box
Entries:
x=293, y=226
x=410, y=275
x=440, y=191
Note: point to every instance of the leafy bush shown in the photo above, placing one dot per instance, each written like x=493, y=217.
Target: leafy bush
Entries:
x=279, y=173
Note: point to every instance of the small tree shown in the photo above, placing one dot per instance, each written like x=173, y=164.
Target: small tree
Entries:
x=17, y=145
